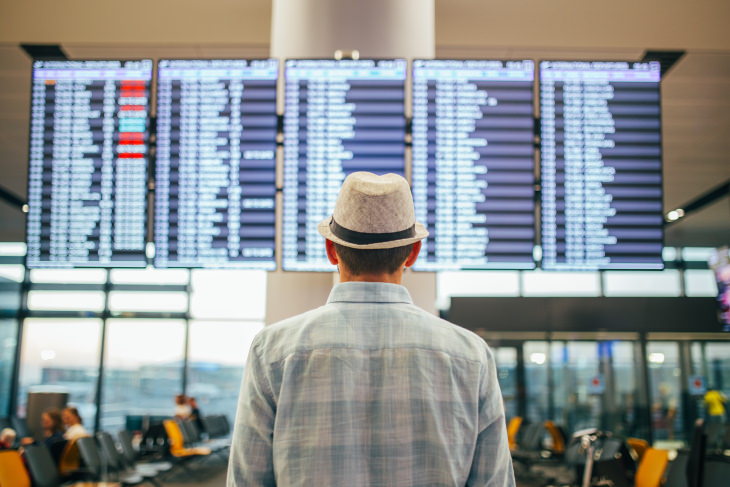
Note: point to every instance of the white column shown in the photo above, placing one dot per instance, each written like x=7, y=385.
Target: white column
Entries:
x=316, y=29
x=376, y=28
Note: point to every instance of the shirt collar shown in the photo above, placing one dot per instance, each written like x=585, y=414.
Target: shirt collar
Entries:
x=369, y=292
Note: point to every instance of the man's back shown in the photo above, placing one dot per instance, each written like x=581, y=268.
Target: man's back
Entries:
x=370, y=390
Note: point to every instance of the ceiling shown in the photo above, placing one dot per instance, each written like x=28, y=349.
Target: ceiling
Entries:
x=695, y=93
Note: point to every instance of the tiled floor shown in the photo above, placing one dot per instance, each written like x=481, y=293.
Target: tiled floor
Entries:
x=208, y=474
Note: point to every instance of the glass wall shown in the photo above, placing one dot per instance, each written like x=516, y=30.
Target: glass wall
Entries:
x=217, y=354
x=165, y=332
x=8, y=334
x=12, y=274
x=142, y=369
x=575, y=368
x=61, y=355
x=665, y=389
x=506, y=358
x=536, y=381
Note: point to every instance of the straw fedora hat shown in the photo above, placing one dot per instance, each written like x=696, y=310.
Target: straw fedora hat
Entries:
x=373, y=212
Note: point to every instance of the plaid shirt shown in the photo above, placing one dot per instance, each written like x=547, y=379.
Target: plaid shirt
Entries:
x=369, y=390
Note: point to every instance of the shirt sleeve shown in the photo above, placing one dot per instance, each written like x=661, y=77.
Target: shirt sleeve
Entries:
x=251, y=458
x=492, y=463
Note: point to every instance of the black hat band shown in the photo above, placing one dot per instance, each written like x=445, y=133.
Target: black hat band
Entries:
x=362, y=238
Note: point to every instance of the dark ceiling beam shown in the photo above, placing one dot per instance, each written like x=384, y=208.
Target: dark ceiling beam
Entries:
x=696, y=204
x=667, y=59
x=45, y=52
x=12, y=199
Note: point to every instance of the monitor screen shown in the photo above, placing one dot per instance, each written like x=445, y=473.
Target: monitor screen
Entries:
x=215, y=179
x=87, y=182
x=601, y=165
x=473, y=163
x=339, y=117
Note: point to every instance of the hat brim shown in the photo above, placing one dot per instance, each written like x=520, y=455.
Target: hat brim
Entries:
x=324, y=230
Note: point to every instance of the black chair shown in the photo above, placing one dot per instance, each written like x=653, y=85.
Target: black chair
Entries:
x=193, y=439
x=696, y=461
x=131, y=456
x=40, y=464
x=216, y=426
x=117, y=464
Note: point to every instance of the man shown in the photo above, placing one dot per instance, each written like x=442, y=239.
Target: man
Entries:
x=715, y=401
x=368, y=389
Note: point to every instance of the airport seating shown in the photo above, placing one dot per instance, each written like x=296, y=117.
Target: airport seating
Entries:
x=177, y=442
x=513, y=427
x=116, y=462
x=557, y=438
x=43, y=470
x=70, y=460
x=132, y=457
x=638, y=447
x=12, y=470
x=217, y=426
x=99, y=466
x=193, y=438
x=651, y=469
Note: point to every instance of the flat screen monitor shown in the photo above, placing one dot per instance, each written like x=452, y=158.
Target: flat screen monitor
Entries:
x=339, y=117
x=473, y=163
x=215, y=179
x=87, y=181
x=601, y=165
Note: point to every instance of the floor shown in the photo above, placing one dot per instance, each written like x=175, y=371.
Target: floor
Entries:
x=206, y=474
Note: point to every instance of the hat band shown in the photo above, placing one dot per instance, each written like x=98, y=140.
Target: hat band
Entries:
x=362, y=238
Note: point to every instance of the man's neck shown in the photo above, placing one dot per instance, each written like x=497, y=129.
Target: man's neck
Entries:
x=394, y=278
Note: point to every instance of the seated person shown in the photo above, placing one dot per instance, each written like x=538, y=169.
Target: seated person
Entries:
x=74, y=427
x=52, y=425
x=182, y=408
x=7, y=438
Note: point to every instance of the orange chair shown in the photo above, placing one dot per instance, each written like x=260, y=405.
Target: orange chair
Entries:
x=70, y=460
x=177, y=442
x=638, y=446
x=12, y=470
x=558, y=439
x=651, y=469
x=513, y=427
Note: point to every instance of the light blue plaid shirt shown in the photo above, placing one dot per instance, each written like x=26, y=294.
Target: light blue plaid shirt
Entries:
x=369, y=390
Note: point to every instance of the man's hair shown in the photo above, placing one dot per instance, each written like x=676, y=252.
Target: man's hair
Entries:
x=372, y=261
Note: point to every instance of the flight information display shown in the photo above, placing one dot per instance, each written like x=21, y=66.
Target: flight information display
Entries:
x=473, y=163
x=340, y=117
x=87, y=182
x=215, y=183
x=601, y=165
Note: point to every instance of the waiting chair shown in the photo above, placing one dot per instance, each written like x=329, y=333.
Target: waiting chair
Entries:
x=513, y=427
x=193, y=438
x=651, y=469
x=42, y=469
x=557, y=436
x=638, y=447
x=70, y=460
x=12, y=470
x=116, y=462
x=177, y=442
x=132, y=458
x=98, y=466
